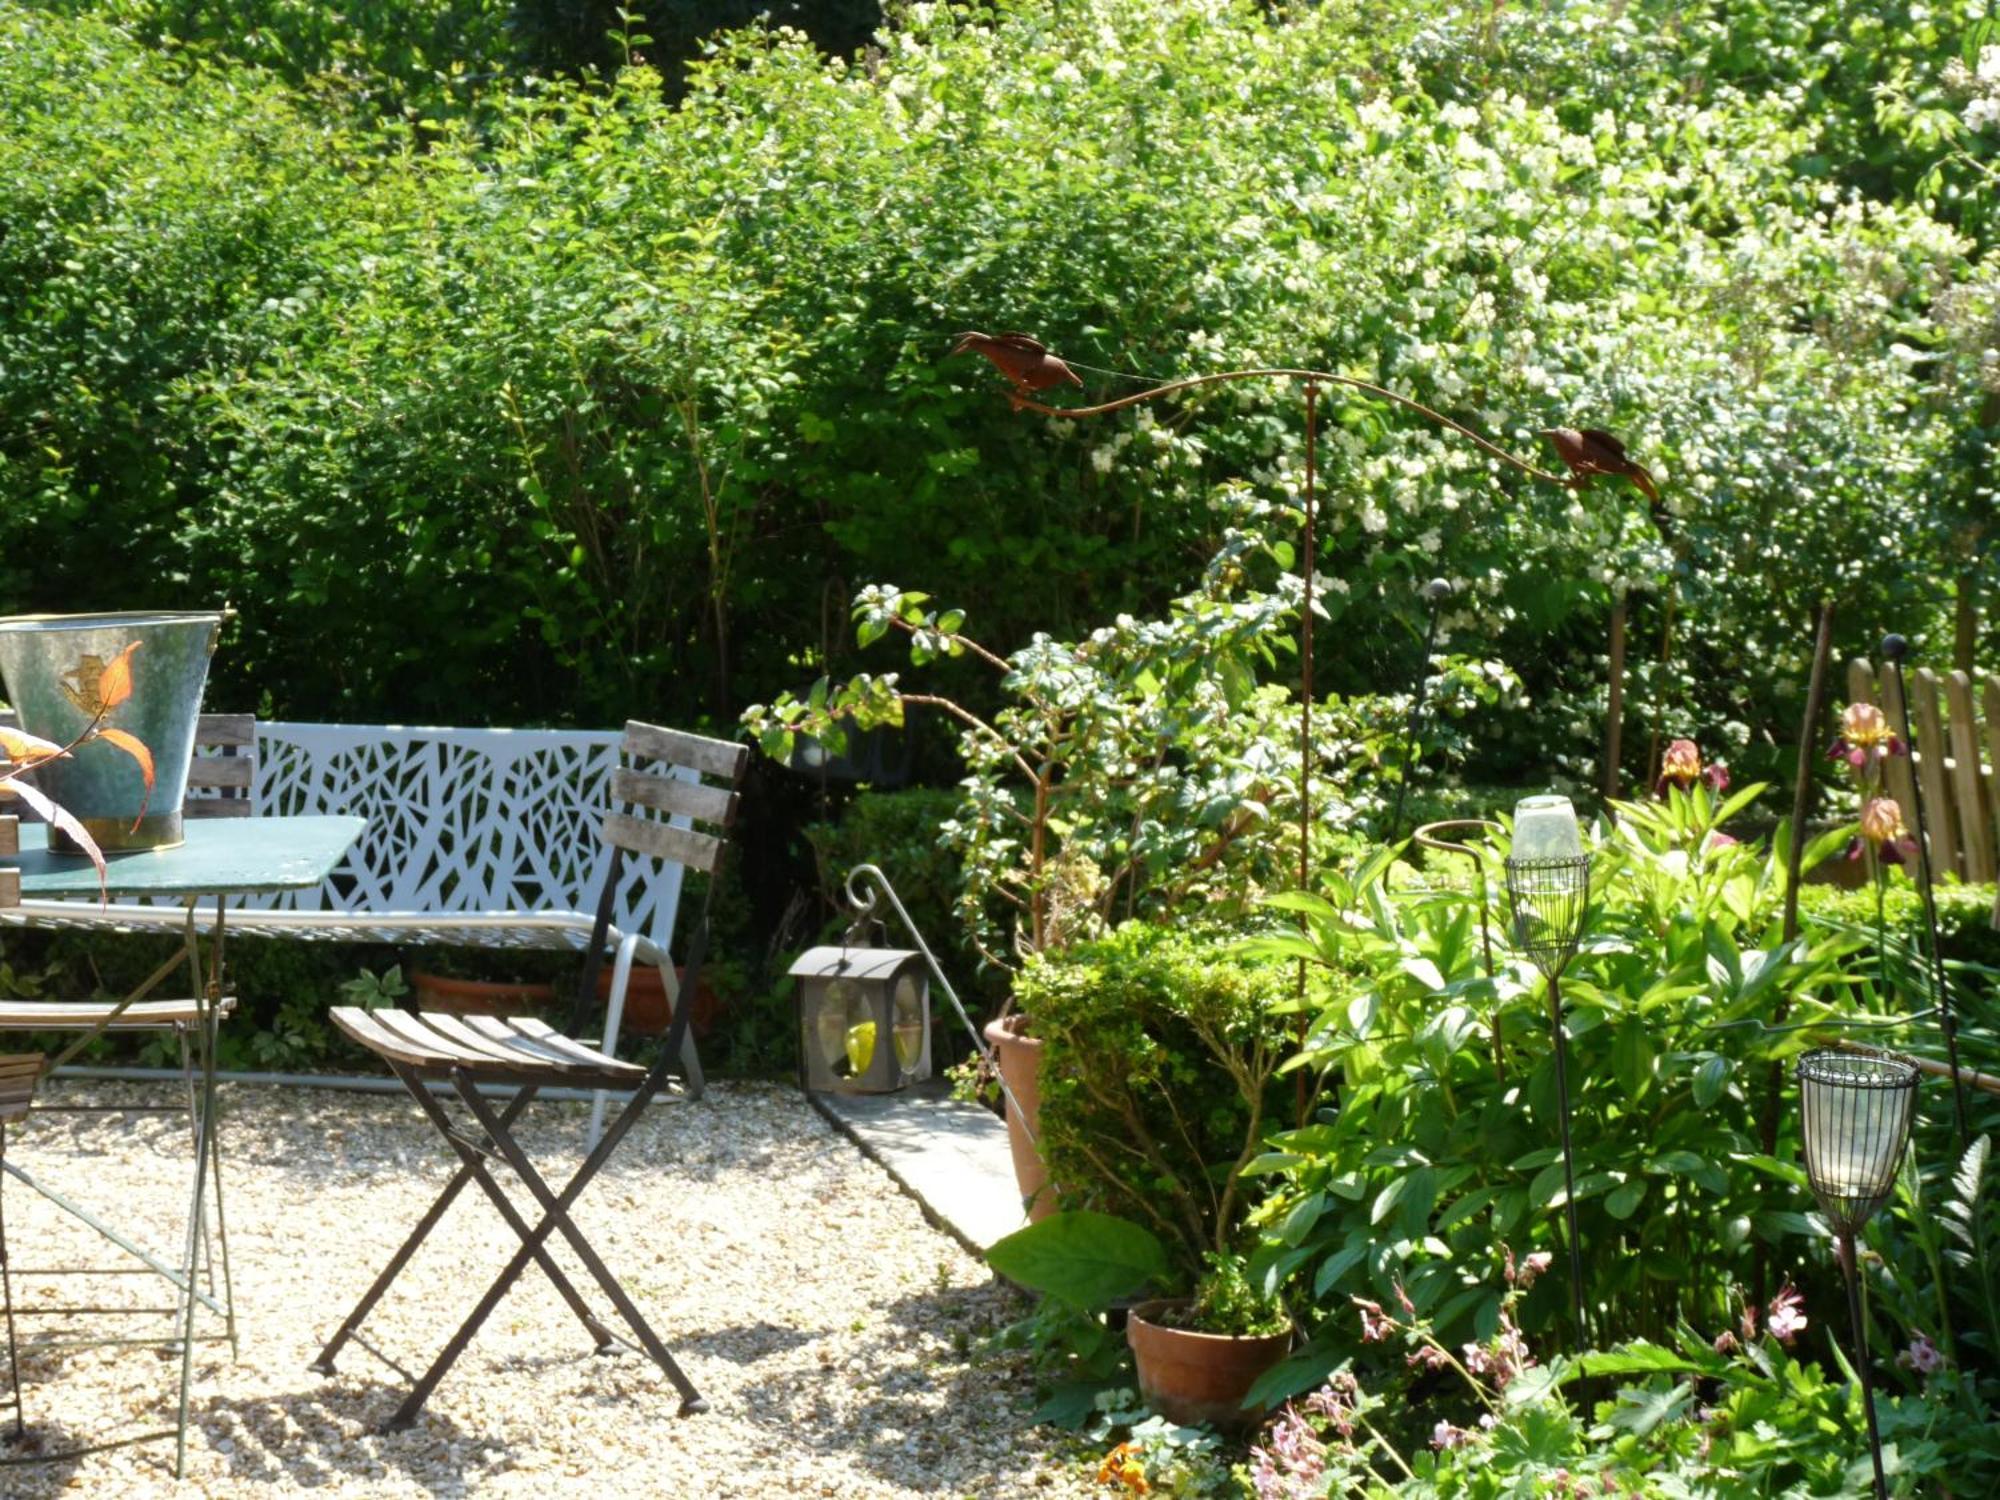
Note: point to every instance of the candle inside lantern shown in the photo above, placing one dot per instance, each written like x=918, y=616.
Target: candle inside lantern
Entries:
x=1546, y=828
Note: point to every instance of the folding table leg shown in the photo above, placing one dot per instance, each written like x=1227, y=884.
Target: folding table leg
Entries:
x=7, y=1297
x=190, y=1301
x=691, y=1401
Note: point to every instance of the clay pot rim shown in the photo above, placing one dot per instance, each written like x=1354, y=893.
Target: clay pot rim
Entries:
x=1012, y=1027
x=1140, y=1312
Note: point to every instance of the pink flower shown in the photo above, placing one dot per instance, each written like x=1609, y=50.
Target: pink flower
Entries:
x=1865, y=738
x=1717, y=839
x=1882, y=830
x=1444, y=1435
x=1427, y=1357
x=1293, y=1467
x=1787, y=1319
x=1335, y=1402
x=1922, y=1356
x=1533, y=1267
x=1403, y=1298
x=1682, y=767
x=1725, y=1342
x=1376, y=1325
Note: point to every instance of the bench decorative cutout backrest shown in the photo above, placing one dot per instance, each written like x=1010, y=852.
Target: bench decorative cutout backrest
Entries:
x=462, y=820
x=1961, y=786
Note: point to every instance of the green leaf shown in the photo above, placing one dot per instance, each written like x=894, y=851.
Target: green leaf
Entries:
x=1709, y=1079
x=1085, y=1259
x=1623, y=1201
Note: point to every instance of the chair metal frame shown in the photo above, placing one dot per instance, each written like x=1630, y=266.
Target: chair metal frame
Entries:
x=665, y=805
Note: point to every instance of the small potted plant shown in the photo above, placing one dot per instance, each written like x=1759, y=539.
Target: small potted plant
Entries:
x=1197, y=1357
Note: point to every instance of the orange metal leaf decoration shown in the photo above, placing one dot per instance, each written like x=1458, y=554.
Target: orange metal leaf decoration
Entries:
x=115, y=686
x=135, y=747
x=27, y=749
x=63, y=819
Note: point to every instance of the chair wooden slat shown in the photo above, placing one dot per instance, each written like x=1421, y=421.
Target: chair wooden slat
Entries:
x=226, y=731
x=686, y=846
x=141, y=1015
x=673, y=795
x=498, y=1050
x=419, y=1034
x=534, y=1030
x=364, y=1028
x=234, y=772
x=710, y=757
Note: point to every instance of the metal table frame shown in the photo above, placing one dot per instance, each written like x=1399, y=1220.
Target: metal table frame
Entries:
x=219, y=859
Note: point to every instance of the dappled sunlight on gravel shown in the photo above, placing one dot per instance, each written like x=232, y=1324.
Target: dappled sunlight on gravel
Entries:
x=823, y=1319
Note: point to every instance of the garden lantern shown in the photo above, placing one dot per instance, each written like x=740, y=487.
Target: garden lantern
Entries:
x=864, y=1016
x=1548, y=894
x=1855, y=1110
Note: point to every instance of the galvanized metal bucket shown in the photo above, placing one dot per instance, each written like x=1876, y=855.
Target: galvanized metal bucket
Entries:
x=51, y=665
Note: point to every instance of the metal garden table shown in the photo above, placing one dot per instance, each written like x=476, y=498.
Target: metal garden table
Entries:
x=220, y=859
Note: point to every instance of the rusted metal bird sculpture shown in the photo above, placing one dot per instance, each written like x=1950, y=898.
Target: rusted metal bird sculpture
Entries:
x=1591, y=451
x=1023, y=360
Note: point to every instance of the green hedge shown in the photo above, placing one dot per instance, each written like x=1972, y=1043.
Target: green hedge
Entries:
x=582, y=401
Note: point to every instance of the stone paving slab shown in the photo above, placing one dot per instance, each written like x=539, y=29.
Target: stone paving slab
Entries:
x=949, y=1156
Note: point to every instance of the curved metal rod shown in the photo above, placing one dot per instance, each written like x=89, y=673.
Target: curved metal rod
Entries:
x=1427, y=835
x=864, y=903
x=1022, y=403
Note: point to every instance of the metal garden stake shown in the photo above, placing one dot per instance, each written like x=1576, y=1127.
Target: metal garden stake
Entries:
x=1548, y=890
x=1894, y=649
x=1855, y=1113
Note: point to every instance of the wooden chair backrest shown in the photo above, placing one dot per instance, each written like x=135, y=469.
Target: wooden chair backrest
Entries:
x=670, y=775
x=219, y=783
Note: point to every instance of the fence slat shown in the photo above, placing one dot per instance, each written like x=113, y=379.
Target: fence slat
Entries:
x=1929, y=753
x=1896, y=779
x=1975, y=814
x=1992, y=696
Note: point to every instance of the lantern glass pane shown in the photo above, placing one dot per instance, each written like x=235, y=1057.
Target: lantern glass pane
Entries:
x=1855, y=1116
x=1545, y=828
x=909, y=1020
x=830, y=1022
x=857, y=1024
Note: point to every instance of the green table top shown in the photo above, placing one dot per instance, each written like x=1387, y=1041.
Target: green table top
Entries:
x=221, y=857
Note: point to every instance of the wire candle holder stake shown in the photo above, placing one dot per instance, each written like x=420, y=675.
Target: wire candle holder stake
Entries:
x=1855, y=1110
x=1548, y=895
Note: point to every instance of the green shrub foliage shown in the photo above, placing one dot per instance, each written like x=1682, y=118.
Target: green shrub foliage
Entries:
x=1157, y=1077
x=581, y=398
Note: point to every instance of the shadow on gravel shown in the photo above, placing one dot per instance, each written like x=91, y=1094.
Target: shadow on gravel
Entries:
x=916, y=1410
x=300, y=1438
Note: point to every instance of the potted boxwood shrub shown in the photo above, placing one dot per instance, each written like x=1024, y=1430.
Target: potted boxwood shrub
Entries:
x=1160, y=1084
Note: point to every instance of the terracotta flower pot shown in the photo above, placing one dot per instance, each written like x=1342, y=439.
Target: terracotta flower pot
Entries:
x=477, y=997
x=1020, y=1060
x=1190, y=1377
x=646, y=1010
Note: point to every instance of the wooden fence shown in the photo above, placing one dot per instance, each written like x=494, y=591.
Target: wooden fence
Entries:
x=1962, y=785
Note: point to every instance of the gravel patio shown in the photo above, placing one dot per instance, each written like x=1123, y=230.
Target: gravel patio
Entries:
x=831, y=1328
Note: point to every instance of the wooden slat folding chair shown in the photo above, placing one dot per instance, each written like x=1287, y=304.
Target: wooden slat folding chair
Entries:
x=675, y=800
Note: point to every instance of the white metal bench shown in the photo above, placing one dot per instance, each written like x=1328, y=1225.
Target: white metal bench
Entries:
x=485, y=838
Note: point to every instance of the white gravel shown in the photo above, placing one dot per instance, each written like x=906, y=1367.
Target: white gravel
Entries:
x=828, y=1325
